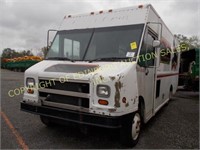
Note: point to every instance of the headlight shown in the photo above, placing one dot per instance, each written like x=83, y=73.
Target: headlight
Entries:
x=103, y=91
x=30, y=82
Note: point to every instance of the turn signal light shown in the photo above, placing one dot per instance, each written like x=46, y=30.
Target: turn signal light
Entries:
x=103, y=102
x=30, y=91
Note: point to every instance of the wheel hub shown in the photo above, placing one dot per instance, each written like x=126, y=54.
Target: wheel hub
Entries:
x=136, y=126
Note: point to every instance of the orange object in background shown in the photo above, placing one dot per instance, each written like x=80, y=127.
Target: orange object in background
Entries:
x=17, y=59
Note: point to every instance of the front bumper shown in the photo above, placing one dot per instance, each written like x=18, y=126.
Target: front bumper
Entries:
x=73, y=116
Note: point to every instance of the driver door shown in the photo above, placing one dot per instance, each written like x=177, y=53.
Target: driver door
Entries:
x=148, y=62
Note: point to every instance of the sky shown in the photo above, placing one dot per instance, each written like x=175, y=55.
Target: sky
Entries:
x=24, y=23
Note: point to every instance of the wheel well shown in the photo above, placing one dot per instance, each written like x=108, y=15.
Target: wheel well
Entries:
x=171, y=88
x=141, y=100
x=141, y=107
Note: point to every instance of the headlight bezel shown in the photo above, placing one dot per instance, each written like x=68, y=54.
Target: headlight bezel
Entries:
x=103, y=87
x=28, y=82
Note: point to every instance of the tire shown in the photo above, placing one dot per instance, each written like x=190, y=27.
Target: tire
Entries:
x=170, y=94
x=46, y=121
x=130, y=130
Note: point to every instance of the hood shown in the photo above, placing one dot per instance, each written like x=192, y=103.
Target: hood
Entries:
x=78, y=69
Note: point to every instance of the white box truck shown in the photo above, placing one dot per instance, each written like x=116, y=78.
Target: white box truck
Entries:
x=112, y=69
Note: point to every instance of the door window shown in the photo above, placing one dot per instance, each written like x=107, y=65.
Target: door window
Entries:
x=150, y=50
x=147, y=52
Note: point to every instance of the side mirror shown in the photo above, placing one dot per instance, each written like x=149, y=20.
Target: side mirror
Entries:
x=156, y=43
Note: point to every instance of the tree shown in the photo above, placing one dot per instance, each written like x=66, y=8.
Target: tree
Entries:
x=192, y=42
x=26, y=53
x=10, y=53
x=44, y=50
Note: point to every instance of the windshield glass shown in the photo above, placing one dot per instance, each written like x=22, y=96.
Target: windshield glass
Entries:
x=94, y=44
x=70, y=44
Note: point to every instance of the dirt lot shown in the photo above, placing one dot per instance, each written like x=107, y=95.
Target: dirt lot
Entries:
x=175, y=126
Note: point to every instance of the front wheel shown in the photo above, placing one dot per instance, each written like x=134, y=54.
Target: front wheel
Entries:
x=46, y=121
x=170, y=94
x=130, y=130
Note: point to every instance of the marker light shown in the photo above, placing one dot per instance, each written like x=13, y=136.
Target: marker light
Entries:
x=30, y=91
x=102, y=102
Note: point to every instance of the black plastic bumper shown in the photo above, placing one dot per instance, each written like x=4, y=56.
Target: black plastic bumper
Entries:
x=73, y=116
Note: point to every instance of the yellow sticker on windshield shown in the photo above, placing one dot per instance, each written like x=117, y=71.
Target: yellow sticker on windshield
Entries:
x=133, y=45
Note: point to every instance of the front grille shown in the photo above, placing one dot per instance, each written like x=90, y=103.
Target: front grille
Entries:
x=66, y=86
x=56, y=92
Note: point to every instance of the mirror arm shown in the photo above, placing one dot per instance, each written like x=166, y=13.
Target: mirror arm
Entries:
x=48, y=32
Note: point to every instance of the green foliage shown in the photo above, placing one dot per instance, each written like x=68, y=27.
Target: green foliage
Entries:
x=10, y=53
x=192, y=42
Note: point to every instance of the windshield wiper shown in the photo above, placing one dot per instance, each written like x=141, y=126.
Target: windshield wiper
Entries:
x=59, y=58
x=108, y=59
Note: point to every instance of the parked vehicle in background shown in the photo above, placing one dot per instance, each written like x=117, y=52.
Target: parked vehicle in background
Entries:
x=112, y=69
x=189, y=70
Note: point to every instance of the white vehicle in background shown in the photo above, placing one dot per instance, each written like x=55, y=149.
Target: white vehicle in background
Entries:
x=112, y=69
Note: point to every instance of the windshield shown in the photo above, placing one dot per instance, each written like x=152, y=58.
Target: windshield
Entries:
x=96, y=44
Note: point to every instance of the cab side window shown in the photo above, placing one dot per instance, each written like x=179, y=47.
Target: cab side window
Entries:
x=150, y=50
x=146, y=57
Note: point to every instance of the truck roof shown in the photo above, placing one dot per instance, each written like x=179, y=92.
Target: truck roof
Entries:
x=107, y=18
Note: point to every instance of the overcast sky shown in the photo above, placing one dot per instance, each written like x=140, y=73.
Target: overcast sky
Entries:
x=24, y=23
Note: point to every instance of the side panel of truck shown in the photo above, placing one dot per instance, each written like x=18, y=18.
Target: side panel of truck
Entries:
x=157, y=81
